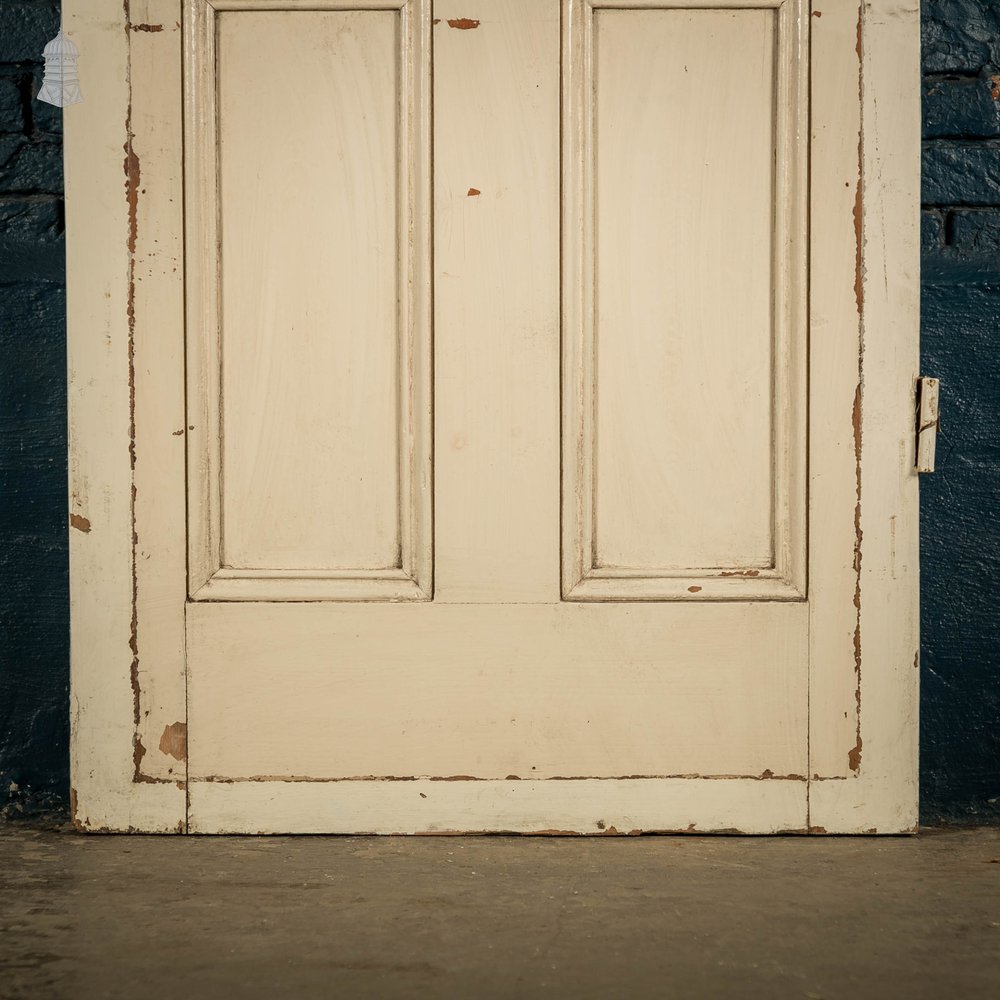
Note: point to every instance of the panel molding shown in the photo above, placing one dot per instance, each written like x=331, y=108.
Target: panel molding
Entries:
x=209, y=577
x=784, y=577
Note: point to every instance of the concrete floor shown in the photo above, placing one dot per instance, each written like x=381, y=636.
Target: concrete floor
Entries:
x=148, y=917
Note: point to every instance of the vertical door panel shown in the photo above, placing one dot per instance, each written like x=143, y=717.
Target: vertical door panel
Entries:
x=685, y=333
x=308, y=289
x=309, y=327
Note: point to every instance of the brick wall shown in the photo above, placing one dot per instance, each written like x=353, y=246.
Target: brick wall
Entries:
x=960, y=504
x=34, y=628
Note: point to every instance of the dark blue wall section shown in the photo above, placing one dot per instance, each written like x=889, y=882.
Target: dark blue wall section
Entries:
x=960, y=505
x=34, y=616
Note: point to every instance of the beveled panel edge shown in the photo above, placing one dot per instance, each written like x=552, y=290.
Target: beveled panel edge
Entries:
x=204, y=402
x=787, y=579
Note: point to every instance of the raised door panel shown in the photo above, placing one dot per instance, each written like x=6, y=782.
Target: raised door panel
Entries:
x=685, y=331
x=333, y=692
x=308, y=323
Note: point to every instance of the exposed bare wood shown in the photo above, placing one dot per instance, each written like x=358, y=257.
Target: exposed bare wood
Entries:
x=928, y=421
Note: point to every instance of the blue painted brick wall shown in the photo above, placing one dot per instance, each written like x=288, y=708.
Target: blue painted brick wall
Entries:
x=34, y=627
x=960, y=504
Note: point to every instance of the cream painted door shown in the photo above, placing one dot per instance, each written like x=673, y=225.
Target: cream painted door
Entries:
x=495, y=412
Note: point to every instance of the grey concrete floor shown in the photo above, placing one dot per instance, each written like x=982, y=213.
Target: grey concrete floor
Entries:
x=149, y=917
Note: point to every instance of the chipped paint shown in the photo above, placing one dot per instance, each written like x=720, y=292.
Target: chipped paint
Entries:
x=132, y=182
x=474, y=192
x=995, y=88
x=463, y=23
x=740, y=572
x=854, y=754
x=859, y=291
x=767, y=775
x=80, y=522
x=147, y=27
x=133, y=174
x=138, y=752
x=694, y=590
x=173, y=742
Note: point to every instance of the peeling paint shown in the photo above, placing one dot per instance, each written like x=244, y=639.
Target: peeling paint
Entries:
x=740, y=572
x=854, y=754
x=173, y=742
x=80, y=522
x=147, y=27
x=995, y=88
x=610, y=832
x=132, y=181
x=854, y=757
x=133, y=177
x=859, y=284
x=463, y=23
x=767, y=775
x=138, y=752
x=859, y=290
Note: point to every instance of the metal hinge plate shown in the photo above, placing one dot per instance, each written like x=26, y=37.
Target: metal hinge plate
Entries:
x=928, y=421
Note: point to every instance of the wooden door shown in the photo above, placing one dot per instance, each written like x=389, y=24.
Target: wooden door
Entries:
x=509, y=443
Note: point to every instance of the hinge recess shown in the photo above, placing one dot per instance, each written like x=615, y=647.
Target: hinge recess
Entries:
x=928, y=421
